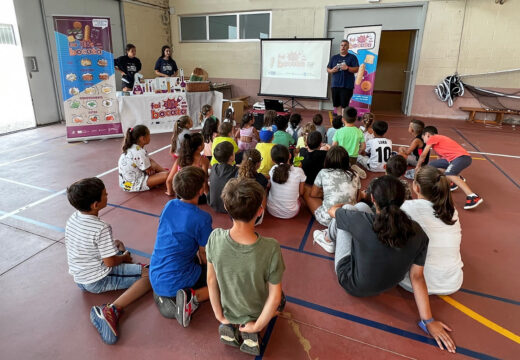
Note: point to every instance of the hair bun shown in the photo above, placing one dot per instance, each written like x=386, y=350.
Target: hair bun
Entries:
x=187, y=136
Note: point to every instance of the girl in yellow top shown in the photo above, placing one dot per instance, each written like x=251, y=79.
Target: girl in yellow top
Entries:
x=224, y=134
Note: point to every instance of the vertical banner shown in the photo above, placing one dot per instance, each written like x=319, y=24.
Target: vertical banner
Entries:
x=364, y=43
x=86, y=62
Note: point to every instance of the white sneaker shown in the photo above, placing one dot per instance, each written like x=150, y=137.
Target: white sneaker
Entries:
x=319, y=238
x=362, y=174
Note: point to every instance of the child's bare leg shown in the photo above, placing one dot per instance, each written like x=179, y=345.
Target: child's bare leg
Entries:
x=460, y=183
x=312, y=202
x=156, y=166
x=157, y=179
x=134, y=292
x=202, y=294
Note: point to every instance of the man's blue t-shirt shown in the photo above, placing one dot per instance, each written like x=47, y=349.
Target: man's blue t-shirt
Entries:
x=167, y=67
x=343, y=79
x=182, y=229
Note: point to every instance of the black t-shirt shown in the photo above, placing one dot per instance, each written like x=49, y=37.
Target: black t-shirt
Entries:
x=220, y=175
x=312, y=163
x=129, y=66
x=167, y=67
x=374, y=267
x=419, y=150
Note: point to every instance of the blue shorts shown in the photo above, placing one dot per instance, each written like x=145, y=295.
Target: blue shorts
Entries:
x=120, y=277
x=454, y=167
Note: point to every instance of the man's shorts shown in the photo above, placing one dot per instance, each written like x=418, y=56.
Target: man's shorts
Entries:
x=341, y=96
x=120, y=277
x=454, y=167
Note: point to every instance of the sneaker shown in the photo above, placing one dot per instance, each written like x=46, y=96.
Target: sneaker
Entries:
x=250, y=343
x=473, y=202
x=186, y=306
x=410, y=174
x=453, y=186
x=319, y=238
x=105, y=319
x=229, y=335
x=361, y=173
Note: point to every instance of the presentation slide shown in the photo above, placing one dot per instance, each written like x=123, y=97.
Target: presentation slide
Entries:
x=295, y=67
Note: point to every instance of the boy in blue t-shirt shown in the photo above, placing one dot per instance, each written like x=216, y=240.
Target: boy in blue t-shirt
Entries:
x=177, y=274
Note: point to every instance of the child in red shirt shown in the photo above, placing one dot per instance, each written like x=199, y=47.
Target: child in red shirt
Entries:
x=453, y=159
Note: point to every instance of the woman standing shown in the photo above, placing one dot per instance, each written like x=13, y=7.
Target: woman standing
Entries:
x=165, y=66
x=128, y=65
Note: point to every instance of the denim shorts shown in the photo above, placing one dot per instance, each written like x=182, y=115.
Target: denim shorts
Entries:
x=454, y=167
x=120, y=277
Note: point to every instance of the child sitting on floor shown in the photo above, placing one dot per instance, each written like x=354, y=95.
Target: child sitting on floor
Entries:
x=177, y=274
x=414, y=151
x=378, y=149
x=224, y=135
x=190, y=154
x=97, y=262
x=244, y=270
x=247, y=135
x=206, y=112
x=294, y=125
x=453, y=159
x=265, y=146
x=181, y=127
x=209, y=132
x=313, y=157
x=304, y=132
x=396, y=167
x=287, y=184
x=435, y=212
x=281, y=136
x=336, y=124
x=350, y=137
x=221, y=172
x=249, y=170
x=335, y=184
x=229, y=117
x=138, y=171
x=269, y=117
x=318, y=120
x=368, y=120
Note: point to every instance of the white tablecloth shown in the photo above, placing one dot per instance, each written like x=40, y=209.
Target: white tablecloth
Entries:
x=145, y=109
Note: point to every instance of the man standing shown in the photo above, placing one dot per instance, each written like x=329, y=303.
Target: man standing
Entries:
x=342, y=66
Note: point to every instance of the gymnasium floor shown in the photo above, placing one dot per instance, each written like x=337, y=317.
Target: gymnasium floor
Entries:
x=46, y=316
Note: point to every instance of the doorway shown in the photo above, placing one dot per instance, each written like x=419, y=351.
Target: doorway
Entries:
x=392, y=70
x=16, y=107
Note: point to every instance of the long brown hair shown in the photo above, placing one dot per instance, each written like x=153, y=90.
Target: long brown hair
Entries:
x=203, y=112
x=435, y=187
x=269, y=117
x=132, y=136
x=250, y=160
x=188, y=149
x=280, y=156
x=180, y=124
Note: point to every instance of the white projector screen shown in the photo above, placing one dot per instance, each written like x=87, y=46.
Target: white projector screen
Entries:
x=294, y=67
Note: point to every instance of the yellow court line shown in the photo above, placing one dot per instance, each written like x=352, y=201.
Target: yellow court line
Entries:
x=488, y=323
x=474, y=158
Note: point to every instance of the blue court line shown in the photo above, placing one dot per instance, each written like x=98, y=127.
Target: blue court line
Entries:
x=384, y=327
x=306, y=234
x=498, y=298
x=133, y=210
x=36, y=222
x=488, y=159
x=306, y=252
x=265, y=339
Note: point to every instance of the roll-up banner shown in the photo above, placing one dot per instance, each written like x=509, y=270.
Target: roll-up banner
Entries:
x=86, y=63
x=364, y=44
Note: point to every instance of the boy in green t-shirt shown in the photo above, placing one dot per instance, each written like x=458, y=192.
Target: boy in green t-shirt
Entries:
x=281, y=136
x=244, y=270
x=350, y=137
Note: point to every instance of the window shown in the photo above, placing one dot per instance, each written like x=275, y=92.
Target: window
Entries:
x=7, y=35
x=249, y=26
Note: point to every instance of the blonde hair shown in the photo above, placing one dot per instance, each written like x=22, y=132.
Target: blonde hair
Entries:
x=306, y=130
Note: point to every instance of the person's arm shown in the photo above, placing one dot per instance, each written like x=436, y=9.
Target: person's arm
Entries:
x=268, y=312
x=423, y=157
x=214, y=294
x=255, y=134
x=302, y=188
x=333, y=70
x=362, y=147
x=205, y=167
x=316, y=192
x=334, y=143
x=437, y=329
x=202, y=255
x=158, y=73
x=408, y=150
x=333, y=209
x=353, y=69
x=169, y=179
x=118, y=259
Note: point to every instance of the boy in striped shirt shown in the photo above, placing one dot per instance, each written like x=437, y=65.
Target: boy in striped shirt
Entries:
x=97, y=262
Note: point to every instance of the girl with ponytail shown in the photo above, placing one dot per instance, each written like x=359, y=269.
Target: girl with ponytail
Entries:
x=374, y=252
x=251, y=161
x=181, y=127
x=189, y=154
x=434, y=211
x=206, y=112
x=137, y=171
x=288, y=183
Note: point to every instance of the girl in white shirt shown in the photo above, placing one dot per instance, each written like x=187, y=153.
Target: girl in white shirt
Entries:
x=434, y=211
x=287, y=184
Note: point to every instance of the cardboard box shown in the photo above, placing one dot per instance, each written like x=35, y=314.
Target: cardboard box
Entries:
x=238, y=106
